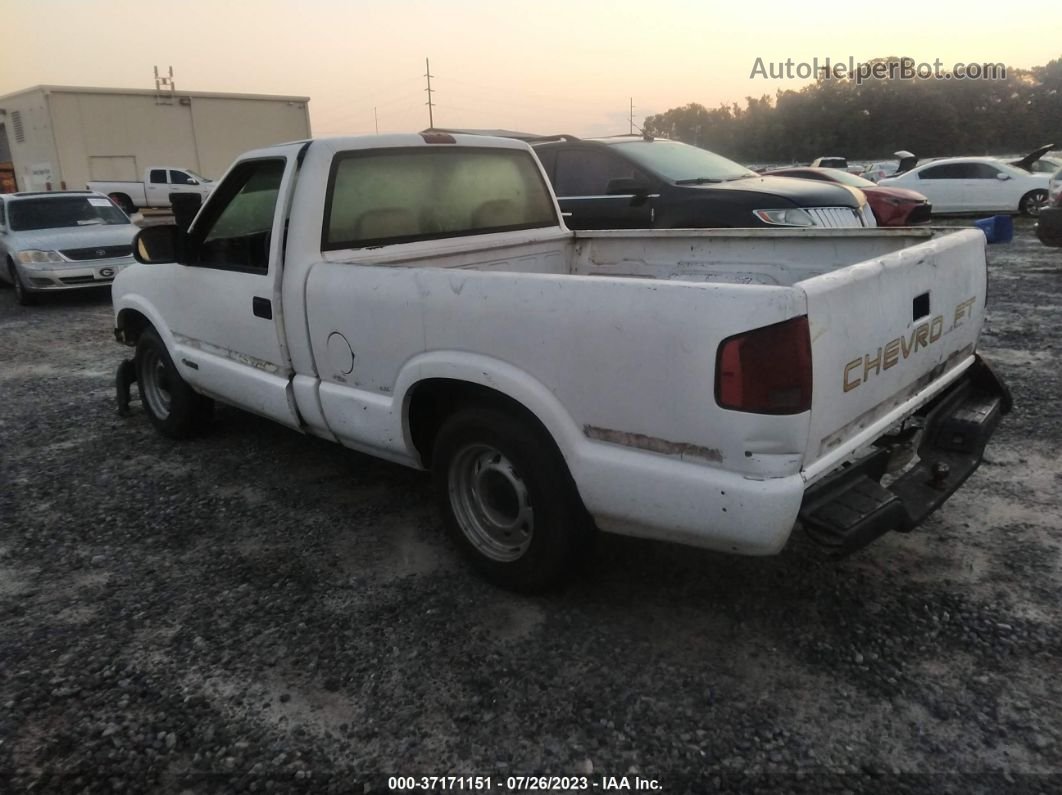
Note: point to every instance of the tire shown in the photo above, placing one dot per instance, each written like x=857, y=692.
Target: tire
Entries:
x=22, y=295
x=174, y=408
x=1031, y=201
x=507, y=499
x=123, y=202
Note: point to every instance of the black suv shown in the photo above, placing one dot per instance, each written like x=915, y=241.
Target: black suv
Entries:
x=632, y=182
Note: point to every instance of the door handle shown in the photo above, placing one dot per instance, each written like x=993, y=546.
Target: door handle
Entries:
x=262, y=307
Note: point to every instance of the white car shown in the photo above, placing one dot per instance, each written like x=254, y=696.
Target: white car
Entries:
x=61, y=240
x=975, y=184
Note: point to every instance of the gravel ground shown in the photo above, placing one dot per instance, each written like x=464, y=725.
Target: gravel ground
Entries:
x=261, y=611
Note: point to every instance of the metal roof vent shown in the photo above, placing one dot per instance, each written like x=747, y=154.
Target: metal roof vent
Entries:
x=16, y=122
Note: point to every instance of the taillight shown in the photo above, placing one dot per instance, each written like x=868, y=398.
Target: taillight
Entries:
x=766, y=370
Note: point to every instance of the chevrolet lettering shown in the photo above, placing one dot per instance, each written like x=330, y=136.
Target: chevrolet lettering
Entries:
x=894, y=351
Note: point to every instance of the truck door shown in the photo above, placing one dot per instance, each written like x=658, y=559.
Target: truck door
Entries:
x=182, y=182
x=157, y=188
x=231, y=341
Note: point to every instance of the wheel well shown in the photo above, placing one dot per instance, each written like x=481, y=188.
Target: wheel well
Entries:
x=433, y=400
x=132, y=324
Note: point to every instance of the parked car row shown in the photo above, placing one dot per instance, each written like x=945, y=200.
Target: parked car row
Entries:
x=66, y=240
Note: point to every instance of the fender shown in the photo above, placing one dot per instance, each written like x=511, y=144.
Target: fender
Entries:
x=139, y=303
x=494, y=374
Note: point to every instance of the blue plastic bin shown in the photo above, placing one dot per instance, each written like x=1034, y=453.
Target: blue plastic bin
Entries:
x=997, y=229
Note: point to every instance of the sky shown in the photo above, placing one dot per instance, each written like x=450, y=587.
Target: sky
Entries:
x=542, y=66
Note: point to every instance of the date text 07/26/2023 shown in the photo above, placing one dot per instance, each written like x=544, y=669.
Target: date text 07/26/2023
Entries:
x=522, y=784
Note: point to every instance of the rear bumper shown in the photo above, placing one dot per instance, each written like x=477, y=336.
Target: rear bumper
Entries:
x=850, y=508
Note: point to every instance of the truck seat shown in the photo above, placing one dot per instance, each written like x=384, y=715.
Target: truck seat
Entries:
x=384, y=223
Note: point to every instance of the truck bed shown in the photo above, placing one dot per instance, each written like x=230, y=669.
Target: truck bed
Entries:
x=735, y=256
x=890, y=311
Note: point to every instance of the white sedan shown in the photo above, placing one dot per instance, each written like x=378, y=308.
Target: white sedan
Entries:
x=974, y=185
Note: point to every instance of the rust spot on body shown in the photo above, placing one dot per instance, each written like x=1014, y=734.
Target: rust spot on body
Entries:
x=653, y=444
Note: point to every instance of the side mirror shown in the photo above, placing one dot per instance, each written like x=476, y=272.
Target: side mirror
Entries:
x=154, y=244
x=1002, y=177
x=626, y=185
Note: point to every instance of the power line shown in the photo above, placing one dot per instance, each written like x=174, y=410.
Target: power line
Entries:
x=381, y=105
x=508, y=91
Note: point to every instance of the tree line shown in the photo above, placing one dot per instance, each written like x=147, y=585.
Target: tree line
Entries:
x=874, y=118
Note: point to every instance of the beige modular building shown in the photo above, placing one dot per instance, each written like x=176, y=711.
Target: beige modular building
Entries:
x=58, y=137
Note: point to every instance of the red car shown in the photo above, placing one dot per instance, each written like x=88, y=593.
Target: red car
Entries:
x=891, y=206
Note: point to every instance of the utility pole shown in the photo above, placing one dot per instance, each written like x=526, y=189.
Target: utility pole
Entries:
x=632, y=116
x=427, y=74
x=376, y=119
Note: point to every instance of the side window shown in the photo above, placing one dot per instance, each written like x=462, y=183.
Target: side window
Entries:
x=953, y=171
x=398, y=196
x=982, y=171
x=180, y=178
x=157, y=176
x=238, y=228
x=587, y=172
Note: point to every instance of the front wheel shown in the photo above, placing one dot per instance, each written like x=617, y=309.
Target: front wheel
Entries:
x=22, y=295
x=174, y=408
x=508, y=500
x=1031, y=202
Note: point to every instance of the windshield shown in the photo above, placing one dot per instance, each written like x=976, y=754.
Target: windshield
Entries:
x=679, y=162
x=56, y=212
x=848, y=179
x=199, y=177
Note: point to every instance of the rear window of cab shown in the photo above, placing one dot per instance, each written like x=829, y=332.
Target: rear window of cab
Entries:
x=383, y=196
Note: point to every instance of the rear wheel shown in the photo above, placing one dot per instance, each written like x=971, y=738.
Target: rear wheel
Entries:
x=124, y=202
x=22, y=295
x=508, y=500
x=1030, y=203
x=174, y=408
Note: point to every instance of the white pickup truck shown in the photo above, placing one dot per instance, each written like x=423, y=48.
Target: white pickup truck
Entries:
x=155, y=189
x=418, y=298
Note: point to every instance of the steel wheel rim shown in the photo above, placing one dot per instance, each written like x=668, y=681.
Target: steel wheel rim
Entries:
x=155, y=382
x=491, y=502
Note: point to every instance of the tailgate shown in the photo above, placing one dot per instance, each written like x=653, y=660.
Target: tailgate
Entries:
x=888, y=332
